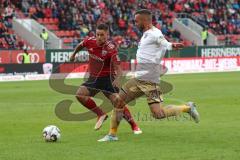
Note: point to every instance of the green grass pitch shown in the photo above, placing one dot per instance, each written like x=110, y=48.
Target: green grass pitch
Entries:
x=27, y=107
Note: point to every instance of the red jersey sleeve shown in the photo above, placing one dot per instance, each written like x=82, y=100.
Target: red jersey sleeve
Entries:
x=84, y=42
x=115, y=58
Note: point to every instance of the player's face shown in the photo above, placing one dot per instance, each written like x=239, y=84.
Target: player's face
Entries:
x=139, y=22
x=101, y=36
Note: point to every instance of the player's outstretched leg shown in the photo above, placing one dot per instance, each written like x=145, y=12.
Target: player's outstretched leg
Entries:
x=84, y=98
x=174, y=110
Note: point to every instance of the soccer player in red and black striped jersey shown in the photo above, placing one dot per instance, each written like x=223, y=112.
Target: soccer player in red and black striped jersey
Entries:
x=105, y=72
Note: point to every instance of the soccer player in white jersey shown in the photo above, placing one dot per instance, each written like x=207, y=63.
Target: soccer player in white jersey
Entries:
x=151, y=49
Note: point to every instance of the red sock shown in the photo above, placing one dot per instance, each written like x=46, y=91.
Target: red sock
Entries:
x=91, y=105
x=128, y=117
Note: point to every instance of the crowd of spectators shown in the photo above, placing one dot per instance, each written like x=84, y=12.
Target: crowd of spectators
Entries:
x=8, y=40
x=84, y=15
x=219, y=16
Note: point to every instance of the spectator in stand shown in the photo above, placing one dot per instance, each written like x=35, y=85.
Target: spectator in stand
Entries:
x=204, y=36
x=25, y=6
x=228, y=41
x=47, y=11
x=44, y=35
x=84, y=31
x=39, y=12
x=3, y=30
x=9, y=12
x=21, y=44
x=1, y=45
x=11, y=40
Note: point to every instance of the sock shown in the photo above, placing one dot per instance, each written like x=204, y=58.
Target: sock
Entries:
x=184, y=108
x=173, y=110
x=116, y=117
x=91, y=105
x=128, y=117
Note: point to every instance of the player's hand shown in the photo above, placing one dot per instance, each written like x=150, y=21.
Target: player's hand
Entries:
x=72, y=58
x=177, y=46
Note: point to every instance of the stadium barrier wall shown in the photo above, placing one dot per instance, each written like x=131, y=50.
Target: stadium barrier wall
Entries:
x=218, y=51
x=42, y=71
x=205, y=51
x=62, y=55
x=200, y=65
x=15, y=56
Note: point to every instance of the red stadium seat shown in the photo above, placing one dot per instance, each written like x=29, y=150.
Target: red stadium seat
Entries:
x=221, y=37
x=62, y=33
x=67, y=34
x=66, y=47
x=55, y=27
x=67, y=40
x=48, y=26
x=58, y=33
x=46, y=21
x=52, y=27
x=55, y=20
x=40, y=20
x=51, y=21
x=72, y=33
x=236, y=37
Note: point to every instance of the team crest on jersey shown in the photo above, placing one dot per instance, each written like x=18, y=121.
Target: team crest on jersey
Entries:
x=104, y=52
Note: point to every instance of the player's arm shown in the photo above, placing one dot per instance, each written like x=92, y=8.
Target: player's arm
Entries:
x=115, y=63
x=119, y=74
x=177, y=46
x=79, y=47
x=163, y=42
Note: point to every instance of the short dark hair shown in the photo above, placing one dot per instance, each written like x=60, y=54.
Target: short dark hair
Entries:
x=144, y=12
x=102, y=26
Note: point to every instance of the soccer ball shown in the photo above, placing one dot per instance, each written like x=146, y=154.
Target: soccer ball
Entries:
x=51, y=133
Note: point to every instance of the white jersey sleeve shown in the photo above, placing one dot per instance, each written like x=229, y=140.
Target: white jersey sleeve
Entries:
x=163, y=42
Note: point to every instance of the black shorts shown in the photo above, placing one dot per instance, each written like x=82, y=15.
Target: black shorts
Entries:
x=100, y=84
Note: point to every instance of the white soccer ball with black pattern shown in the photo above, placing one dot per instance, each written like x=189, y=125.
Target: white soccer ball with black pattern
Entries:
x=51, y=133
